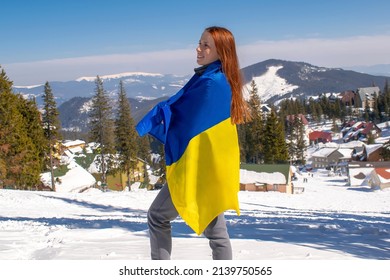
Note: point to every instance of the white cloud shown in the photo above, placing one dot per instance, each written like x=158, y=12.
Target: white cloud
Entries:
x=333, y=52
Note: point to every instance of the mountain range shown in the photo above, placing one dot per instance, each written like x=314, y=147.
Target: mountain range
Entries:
x=275, y=80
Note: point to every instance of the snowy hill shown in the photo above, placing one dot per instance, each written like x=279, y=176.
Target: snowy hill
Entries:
x=270, y=84
x=278, y=79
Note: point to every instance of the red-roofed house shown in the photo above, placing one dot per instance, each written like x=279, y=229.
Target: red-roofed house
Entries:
x=380, y=177
x=360, y=131
x=370, y=129
x=320, y=137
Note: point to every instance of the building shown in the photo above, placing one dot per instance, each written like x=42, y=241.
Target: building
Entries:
x=380, y=177
x=316, y=137
x=360, y=131
x=349, y=98
x=266, y=177
x=366, y=95
x=359, y=172
x=325, y=157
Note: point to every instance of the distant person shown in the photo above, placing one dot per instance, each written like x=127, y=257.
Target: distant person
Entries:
x=198, y=127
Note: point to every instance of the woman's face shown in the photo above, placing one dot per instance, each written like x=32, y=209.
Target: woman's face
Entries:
x=206, y=50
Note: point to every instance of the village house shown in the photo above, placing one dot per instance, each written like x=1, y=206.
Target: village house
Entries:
x=366, y=95
x=266, y=177
x=380, y=177
x=370, y=129
x=349, y=98
x=360, y=131
x=316, y=137
x=118, y=181
x=75, y=146
x=359, y=173
x=325, y=157
x=370, y=153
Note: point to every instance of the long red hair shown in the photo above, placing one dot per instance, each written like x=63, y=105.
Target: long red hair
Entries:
x=226, y=49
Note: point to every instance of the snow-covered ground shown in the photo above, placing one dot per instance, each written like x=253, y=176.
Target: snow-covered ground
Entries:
x=328, y=221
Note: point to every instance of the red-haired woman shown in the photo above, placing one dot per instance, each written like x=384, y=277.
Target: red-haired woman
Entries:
x=198, y=127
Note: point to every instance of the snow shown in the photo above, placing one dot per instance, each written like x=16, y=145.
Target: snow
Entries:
x=271, y=84
x=120, y=75
x=328, y=221
x=28, y=87
x=247, y=177
x=76, y=179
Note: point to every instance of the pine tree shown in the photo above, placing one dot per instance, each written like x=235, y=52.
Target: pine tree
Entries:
x=143, y=148
x=35, y=131
x=292, y=135
x=143, y=152
x=126, y=136
x=367, y=111
x=254, y=129
x=102, y=129
x=19, y=155
x=51, y=124
x=275, y=148
x=385, y=153
x=296, y=145
x=300, y=140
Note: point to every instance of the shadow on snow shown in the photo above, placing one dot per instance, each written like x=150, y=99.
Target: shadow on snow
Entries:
x=359, y=234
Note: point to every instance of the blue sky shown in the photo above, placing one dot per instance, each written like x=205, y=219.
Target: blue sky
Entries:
x=63, y=40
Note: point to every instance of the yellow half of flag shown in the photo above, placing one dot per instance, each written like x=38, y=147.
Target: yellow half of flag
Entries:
x=204, y=182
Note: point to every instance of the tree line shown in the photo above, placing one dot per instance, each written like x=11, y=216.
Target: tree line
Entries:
x=331, y=107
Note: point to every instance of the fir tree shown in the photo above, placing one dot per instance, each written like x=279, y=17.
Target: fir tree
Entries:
x=367, y=111
x=296, y=145
x=126, y=137
x=35, y=131
x=143, y=152
x=102, y=129
x=254, y=129
x=143, y=148
x=19, y=155
x=385, y=152
x=300, y=140
x=51, y=124
x=275, y=149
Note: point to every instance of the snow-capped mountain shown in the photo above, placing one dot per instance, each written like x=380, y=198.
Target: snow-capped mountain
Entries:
x=138, y=85
x=278, y=79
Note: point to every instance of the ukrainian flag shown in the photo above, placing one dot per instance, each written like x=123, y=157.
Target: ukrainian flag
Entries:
x=201, y=147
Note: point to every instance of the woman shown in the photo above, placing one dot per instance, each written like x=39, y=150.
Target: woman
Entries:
x=198, y=127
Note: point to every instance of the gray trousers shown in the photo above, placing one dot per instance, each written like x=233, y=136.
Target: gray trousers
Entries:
x=162, y=212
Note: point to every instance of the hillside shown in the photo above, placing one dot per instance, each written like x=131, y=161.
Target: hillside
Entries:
x=277, y=79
